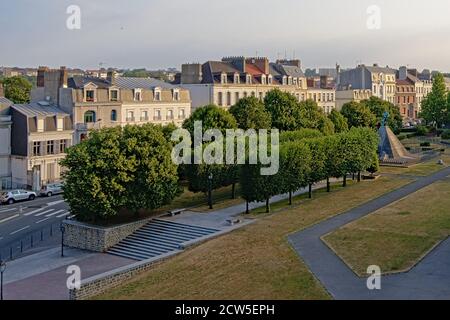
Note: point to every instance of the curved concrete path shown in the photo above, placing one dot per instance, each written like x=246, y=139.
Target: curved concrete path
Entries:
x=430, y=279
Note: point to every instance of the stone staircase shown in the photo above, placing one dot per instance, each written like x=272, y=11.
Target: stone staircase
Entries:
x=158, y=237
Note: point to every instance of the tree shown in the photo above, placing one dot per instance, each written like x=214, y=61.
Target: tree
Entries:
x=339, y=121
x=358, y=115
x=435, y=104
x=284, y=110
x=300, y=134
x=250, y=113
x=17, y=89
x=212, y=117
x=326, y=126
x=378, y=107
x=295, y=166
x=318, y=159
x=118, y=168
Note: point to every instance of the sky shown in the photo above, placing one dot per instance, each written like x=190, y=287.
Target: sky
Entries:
x=166, y=33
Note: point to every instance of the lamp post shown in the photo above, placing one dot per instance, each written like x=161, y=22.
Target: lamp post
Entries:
x=2, y=269
x=63, y=229
x=210, y=177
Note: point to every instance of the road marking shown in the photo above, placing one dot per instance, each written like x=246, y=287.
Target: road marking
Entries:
x=14, y=232
x=9, y=218
x=71, y=217
x=42, y=220
x=54, y=203
x=7, y=210
x=33, y=212
x=63, y=215
x=54, y=213
x=44, y=212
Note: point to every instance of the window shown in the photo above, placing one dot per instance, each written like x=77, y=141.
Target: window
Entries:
x=220, y=99
x=236, y=97
x=90, y=95
x=157, y=95
x=181, y=114
x=176, y=95
x=228, y=98
x=261, y=96
x=40, y=125
x=113, y=115
x=263, y=79
x=114, y=95
x=59, y=124
x=224, y=79
x=89, y=117
x=169, y=114
x=137, y=95
x=237, y=78
x=130, y=115
x=36, y=148
x=62, y=146
x=50, y=147
x=144, y=115
x=157, y=115
x=245, y=94
x=248, y=79
x=269, y=79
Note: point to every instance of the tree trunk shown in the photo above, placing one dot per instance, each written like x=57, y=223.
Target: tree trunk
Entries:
x=359, y=176
x=353, y=176
x=344, y=182
x=233, y=191
x=267, y=205
x=247, y=211
x=328, y=184
x=290, y=198
x=310, y=190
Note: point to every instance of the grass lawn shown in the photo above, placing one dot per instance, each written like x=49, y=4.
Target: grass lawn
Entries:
x=254, y=262
x=397, y=236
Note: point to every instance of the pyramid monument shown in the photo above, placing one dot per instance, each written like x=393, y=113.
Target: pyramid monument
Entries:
x=390, y=149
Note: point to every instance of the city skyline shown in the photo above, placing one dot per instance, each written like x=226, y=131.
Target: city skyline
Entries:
x=159, y=35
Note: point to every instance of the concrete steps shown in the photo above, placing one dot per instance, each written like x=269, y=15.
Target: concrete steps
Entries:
x=158, y=237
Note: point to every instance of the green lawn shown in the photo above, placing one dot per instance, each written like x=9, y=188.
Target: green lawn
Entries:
x=397, y=236
x=253, y=262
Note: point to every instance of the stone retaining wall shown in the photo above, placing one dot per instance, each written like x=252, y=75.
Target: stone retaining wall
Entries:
x=98, y=239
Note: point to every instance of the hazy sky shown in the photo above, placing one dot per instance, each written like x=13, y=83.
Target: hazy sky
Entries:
x=167, y=33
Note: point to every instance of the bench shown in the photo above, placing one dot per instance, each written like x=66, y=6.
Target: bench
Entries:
x=176, y=212
x=233, y=221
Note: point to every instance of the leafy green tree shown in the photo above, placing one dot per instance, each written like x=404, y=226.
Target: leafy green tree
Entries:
x=299, y=135
x=212, y=117
x=378, y=107
x=118, y=168
x=435, y=108
x=250, y=113
x=318, y=171
x=284, y=110
x=326, y=126
x=295, y=166
x=17, y=89
x=339, y=121
x=310, y=114
x=358, y=115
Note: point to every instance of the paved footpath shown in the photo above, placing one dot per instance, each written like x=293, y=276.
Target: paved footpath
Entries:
x=430, y=279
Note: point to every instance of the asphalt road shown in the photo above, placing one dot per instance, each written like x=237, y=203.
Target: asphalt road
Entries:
x=20, y=220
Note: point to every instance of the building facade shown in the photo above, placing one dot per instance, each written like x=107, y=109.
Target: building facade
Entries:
x=345, y=96
x=225, y=82
x=40, y=135
x=94, y=103
x=5, y=142
x=380, y=80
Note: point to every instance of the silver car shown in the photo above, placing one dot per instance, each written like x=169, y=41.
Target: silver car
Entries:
x=51, y=189
x=12, y=196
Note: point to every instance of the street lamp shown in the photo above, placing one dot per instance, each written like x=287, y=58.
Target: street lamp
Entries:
x=2, y=269
x=63, y=229
x=210, y=178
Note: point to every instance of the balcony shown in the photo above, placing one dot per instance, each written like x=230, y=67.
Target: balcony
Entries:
x=157, y=118
x=144, y=119
x=130, y=119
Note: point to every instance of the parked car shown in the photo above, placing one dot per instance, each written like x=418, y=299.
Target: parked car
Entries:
x=51, y=189
x=12, y=196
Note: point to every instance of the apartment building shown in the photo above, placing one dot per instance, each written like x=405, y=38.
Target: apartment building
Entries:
x=380, y=80
x=322, y=91
x=225, y=82
x=94, y=103
x=40, y=135
x=345, y=96
x=5, y=142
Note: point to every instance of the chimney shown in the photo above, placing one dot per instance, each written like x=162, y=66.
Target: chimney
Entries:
x=402, y=73
x=41, y=76
x=111, y=77
x=63, y=76
x=191, y=73
x=323, y=82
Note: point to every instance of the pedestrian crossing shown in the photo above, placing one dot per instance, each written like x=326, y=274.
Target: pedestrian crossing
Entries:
x=43, y=213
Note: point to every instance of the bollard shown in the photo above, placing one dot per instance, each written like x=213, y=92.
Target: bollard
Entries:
x=21, y=246
x=10, y=253
x=32, y=241
x=42, y=235
x=51, y=230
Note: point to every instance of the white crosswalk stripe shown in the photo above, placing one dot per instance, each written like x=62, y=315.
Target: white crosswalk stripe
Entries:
x=33, y=212
x=44, y=212
x=54, y=213
x=8, y=210
x=63, y=215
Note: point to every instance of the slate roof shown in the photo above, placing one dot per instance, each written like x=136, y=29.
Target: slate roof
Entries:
x=380, y=69
x=38, y=110
x=78, y=82
x=141, y=83
x=5, y=101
